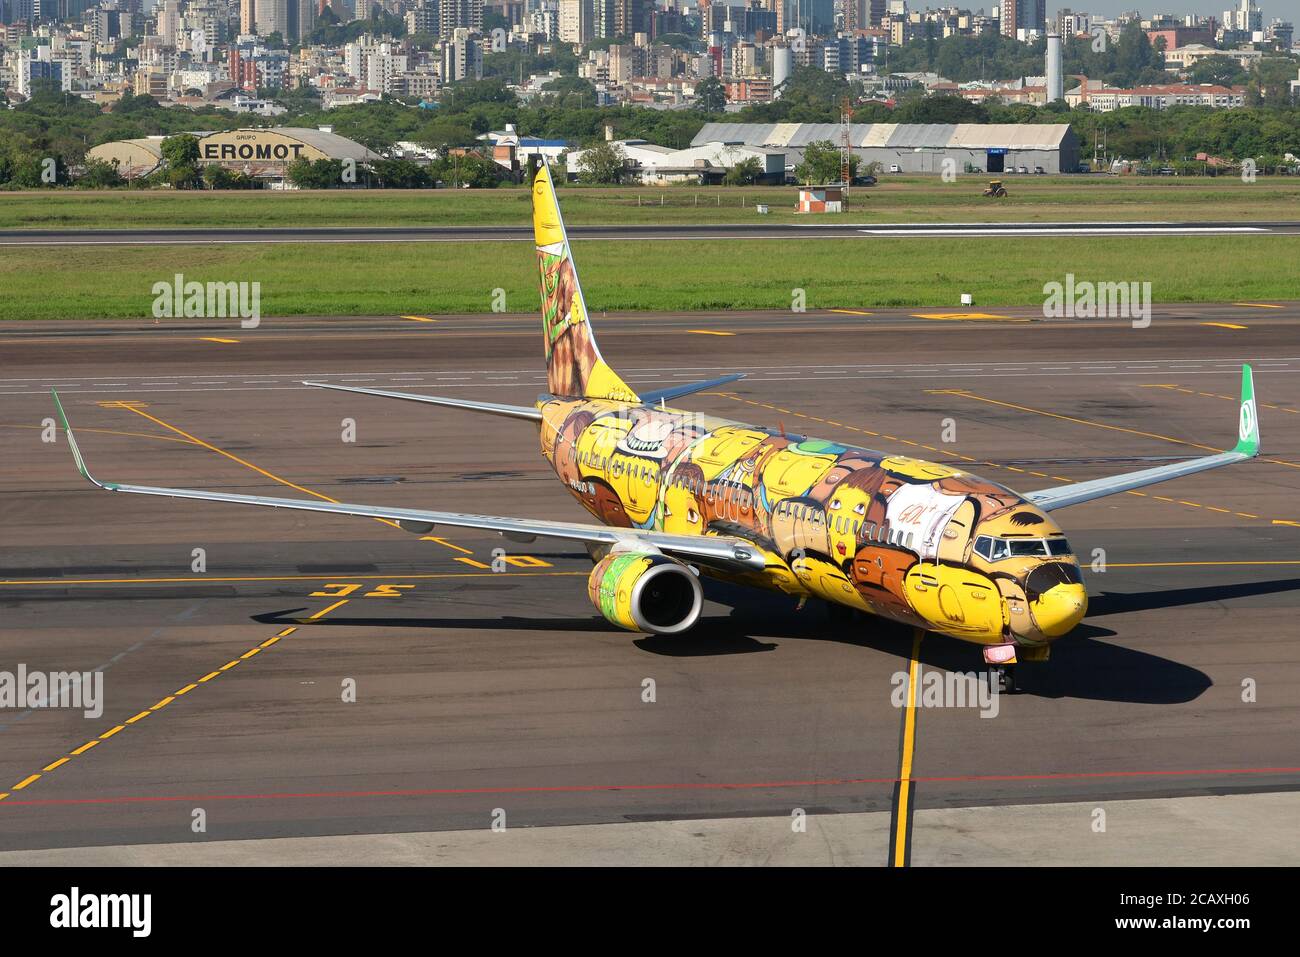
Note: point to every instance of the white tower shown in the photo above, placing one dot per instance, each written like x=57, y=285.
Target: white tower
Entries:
x=1055, y=82
x=782, y=63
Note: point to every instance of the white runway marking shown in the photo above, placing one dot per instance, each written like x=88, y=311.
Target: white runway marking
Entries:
x=1076, y=231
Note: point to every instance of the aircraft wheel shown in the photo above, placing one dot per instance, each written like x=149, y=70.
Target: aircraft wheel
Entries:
x=1006, y=679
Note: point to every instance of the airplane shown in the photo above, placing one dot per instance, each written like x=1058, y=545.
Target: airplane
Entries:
x=679, y=495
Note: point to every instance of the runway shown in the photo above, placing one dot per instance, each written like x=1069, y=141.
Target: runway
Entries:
x=483, y=695
x=523, y=233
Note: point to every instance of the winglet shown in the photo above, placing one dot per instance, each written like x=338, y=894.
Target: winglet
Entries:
x=1248, y=420
x=72, y=444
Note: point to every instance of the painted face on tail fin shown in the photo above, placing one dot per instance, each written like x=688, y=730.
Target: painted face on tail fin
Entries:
x=574, y=366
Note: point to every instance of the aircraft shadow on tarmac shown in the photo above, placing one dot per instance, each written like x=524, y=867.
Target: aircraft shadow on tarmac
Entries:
x=1082, y=666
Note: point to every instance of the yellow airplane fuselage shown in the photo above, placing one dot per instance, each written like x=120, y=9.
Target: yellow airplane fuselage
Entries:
x=917, y=542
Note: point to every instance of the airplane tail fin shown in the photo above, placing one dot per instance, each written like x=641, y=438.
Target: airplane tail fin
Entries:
x=574, y=367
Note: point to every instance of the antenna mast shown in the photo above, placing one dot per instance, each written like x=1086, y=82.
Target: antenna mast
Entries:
x=846, y=148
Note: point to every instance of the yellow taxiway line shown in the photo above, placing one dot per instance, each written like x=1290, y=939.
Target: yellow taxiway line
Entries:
x=900, y=839
x=161, y=704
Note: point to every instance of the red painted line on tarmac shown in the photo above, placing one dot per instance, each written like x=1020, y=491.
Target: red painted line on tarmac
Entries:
x=687, y=786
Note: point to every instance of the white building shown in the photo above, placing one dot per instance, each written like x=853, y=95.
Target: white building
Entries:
x=704, y=163
x=576, y=21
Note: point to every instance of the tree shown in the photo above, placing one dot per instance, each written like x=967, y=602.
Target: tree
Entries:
x=401, y=174
x=604, y=162
x=99, y=174
x=711, y=95
x=821, y=164
x=569, y=92
x=466, y=169
x=321, y=174
x=808, y=95
x=943, y=108
x=745, y=173
x=1217, y=69
x=216, y=176
x=181, y=154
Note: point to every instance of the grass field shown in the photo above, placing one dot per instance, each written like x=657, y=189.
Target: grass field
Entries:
x=392, y=279
x=896, y=199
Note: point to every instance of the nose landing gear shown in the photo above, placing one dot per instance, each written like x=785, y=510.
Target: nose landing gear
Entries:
x=1001, y=660
x=1005, y=678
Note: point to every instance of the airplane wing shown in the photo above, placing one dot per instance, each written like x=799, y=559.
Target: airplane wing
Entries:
x=726, y=552
x=1247, y=447
x=493, y=408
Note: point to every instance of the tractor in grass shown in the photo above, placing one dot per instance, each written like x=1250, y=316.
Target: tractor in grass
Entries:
x=996, y=189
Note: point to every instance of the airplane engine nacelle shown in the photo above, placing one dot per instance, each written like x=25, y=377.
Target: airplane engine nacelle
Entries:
x=643, y=591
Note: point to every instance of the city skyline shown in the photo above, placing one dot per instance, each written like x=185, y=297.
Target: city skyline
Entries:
x=1215, y=8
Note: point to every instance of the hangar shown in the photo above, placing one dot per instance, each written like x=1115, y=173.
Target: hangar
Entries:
x=918, y=147
x=264, y=154
x=133, y=158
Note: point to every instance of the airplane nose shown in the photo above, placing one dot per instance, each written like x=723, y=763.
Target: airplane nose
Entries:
x=1060, y=608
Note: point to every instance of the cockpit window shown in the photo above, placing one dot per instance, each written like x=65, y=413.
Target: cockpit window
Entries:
x=1028, y=546
x=995, y=549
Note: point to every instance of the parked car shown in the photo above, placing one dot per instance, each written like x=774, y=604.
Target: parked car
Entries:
x=866, y=179
x=1022, y=169
x=895, y=168
x=1039, y=171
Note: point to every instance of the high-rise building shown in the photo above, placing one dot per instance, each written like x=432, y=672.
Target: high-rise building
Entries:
x=632, y=17
x=576, y=21
x=462, y=58
x=460, y=14
x=301, y=18
x=272, y=17
x=247, y=17
x=423, y=18
x=1246, y=18
x=1020, y=17
x=169, y=21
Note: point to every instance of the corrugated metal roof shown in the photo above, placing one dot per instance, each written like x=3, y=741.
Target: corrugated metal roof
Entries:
x=1016, y=136
x=873, y=134
x=911, y=136
x=1019, y=136
x=331, y=144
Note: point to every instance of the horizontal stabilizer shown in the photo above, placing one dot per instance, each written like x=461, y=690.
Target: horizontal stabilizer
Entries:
x=656, y=396
x=492, y=408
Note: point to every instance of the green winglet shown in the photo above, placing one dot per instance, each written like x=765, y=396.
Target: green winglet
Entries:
x=72, y=444
x=1248, y=420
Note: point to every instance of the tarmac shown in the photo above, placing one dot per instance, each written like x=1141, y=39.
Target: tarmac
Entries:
x=333, y=689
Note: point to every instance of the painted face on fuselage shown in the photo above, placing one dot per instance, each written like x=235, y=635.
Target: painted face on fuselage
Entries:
x=681, y=514
x=648, y=439
x=917, y=470
x=846, y=513
x=1036, y=570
